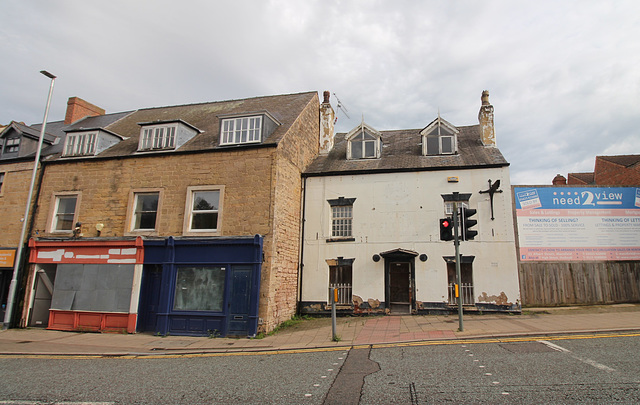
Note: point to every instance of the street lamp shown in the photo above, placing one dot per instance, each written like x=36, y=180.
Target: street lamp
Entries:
x=14, y=278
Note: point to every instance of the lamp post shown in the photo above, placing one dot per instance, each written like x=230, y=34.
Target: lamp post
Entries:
x=14, y=279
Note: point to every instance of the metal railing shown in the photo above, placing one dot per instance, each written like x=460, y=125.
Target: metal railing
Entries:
x=466, y=292
x=344, y=293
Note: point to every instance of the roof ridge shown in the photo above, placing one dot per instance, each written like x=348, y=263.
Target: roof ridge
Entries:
x=226, y=101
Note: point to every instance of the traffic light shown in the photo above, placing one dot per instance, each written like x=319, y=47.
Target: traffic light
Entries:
x=446, y=229
x=466, y=223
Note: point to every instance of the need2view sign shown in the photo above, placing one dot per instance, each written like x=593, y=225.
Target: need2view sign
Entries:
x=578, y=223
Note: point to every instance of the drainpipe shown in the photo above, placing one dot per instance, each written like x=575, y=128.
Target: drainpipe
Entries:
x=301, y=264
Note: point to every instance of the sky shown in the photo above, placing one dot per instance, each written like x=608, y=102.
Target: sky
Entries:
x=563, y=76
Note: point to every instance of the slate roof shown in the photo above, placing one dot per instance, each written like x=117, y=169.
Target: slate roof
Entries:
x=205, y=117
x=402, y=151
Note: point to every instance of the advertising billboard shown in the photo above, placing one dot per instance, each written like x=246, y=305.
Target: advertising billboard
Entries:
x=578, y=223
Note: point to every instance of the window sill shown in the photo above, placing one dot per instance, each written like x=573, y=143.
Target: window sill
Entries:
x=341, y=240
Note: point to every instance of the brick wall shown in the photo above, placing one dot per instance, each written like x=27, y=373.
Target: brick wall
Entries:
x=613, y=174
x=13, y=199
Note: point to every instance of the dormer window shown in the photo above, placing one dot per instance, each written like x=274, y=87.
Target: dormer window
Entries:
x=12, y=145
x=80, y=144
x=439, y=138
x=165, y=135
x=363, y=143
x=158, y=137
x=241, y=130
x=88, y=142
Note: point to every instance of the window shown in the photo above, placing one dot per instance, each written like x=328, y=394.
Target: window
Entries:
x=439, y=138
x=340, y=278
x=1, y=182
x=241, y=130
x=64, y=213
x=145, y=211
x=440, y=141
x=158, y=137
x=203, y=209
x=199, y=289
x=342, y=218
x=363, y=146
x=80, y=144
x=12, y=145
x=448, y=206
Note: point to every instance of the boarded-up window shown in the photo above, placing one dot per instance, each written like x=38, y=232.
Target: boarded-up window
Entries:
x=93, y=287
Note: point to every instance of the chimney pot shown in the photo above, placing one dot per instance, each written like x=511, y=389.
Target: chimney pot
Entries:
x=326, y=95
x=559, y=180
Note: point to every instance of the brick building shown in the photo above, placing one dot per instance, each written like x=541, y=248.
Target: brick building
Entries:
x=617, y=170
x=181, y=219
x=18, y=146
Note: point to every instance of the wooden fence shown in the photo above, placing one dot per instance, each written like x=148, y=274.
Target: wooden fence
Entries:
x=579, y=283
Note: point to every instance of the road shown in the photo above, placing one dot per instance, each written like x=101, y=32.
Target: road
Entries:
x=575, y=370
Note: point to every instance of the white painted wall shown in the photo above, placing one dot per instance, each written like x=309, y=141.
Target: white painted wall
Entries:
x=401, y=210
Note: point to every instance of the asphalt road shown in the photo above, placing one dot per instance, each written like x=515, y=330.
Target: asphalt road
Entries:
x=585, y=370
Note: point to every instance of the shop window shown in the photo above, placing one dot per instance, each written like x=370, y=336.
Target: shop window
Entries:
x=199, y=289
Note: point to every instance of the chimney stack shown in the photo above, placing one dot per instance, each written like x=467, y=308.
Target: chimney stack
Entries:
x=559, y=180
x=485, y=117
x=77, y=109
x=327, y=121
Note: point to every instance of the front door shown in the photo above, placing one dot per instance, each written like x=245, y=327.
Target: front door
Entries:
x=149, y=297
x=400, y=288
x=43, y=291
x=239, y=300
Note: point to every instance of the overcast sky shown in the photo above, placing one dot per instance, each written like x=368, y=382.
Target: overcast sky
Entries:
x=564, y=76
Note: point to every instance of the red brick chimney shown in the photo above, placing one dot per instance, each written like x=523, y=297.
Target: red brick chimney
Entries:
x=559, y=180
x=77, y=109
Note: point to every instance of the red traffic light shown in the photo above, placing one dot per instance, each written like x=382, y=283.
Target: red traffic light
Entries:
x=446, y=229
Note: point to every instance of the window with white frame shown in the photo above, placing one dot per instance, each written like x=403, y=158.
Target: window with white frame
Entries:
x=145, y=211
x=342, y=218
x=1, y=182
x=241, y=130
x=448, y=206
x=363, y=145
x=440, y=141
x=80, y=144
x=12, y=145
x=64, y=213
x=158, y=137
x=203, y=209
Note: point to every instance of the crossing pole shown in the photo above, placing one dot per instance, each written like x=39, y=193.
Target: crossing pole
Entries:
x=456, y=242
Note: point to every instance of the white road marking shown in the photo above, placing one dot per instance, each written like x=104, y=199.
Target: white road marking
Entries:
x=582, y=359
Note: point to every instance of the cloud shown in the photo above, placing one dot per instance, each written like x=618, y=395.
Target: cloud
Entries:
x=563, y=76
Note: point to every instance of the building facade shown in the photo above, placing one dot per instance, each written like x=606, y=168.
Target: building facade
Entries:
x=175, y=220
x=372, y=203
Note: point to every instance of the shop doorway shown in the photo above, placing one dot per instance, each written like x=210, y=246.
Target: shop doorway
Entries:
x=400, y=281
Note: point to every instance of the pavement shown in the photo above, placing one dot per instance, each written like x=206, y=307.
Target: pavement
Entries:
x=316, y=333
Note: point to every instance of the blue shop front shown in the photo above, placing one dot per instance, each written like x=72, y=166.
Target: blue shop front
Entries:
x=201, y=286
